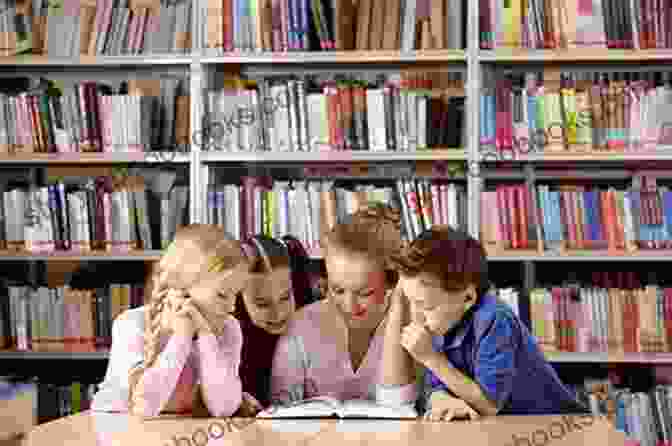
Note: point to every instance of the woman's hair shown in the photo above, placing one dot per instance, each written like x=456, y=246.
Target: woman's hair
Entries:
x=266, y=254
x=374, y=231
x=455, y=257
x=177, y=271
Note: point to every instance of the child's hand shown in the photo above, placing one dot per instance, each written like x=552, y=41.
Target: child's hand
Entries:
x=418, y=342
x=447, y=408
x=189, y=312
x=249, y=406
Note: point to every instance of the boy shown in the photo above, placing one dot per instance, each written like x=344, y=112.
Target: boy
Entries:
x=480, y=358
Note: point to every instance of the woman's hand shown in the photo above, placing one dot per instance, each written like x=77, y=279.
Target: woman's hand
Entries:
x=447, y=408
x=399, y=305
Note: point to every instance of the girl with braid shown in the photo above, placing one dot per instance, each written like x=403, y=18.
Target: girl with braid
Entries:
x=180, y=352
x=334, y=347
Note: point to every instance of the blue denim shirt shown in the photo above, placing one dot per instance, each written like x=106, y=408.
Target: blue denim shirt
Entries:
x=494, y=348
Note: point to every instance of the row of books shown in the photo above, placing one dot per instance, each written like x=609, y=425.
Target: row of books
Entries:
x=115, y=214
x=580, y=318
x=645, y=417
x=580, y=113
x=395, y=112
x=577, y=217
x=629, y=24
x=15, y=27
x=307, y=209
x=92, y=116
x=100, y=27
x=63, y=319
x=303, y=25
x=51, y=401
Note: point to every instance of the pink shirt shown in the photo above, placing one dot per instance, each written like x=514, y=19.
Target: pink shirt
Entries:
x=210, y=361
x=312, y=359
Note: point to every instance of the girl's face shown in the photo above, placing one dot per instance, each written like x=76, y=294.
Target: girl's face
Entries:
x=357, y=289
x=214, y=296
x=269, y=301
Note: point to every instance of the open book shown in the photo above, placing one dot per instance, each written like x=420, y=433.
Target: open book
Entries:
x=325, y=406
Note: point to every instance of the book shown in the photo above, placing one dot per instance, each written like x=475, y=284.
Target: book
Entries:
x=329, y=407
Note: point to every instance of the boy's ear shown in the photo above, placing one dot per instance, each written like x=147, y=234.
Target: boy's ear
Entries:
x=470, y=298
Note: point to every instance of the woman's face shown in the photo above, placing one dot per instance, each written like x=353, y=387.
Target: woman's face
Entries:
x=356, y=288
x=269, y=301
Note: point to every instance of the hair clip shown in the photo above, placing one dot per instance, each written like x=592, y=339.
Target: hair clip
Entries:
x=216, y=264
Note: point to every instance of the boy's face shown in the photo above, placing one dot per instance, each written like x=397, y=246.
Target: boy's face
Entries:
x=434, y=306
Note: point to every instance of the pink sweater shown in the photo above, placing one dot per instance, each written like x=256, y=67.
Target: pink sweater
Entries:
x=210, y=361
x=312, y=359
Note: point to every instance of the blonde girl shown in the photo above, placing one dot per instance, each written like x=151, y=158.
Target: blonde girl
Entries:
x=180, y=352
x=335, y=347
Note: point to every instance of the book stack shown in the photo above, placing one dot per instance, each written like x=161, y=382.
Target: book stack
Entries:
x=626, y=24
x=614, y=314
x=577, y=217
x=113, y=214
x=405, y=112
x=580, y=113
x=303, y=25
x=307, y=209
x=63, y=319
x=95, y=117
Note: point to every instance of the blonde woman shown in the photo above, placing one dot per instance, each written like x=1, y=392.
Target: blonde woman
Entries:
x=335, y=347
x=180, y=352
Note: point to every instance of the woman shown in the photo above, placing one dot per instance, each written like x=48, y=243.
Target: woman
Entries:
x=278, y=285
x=180, y=352
x=335, y=347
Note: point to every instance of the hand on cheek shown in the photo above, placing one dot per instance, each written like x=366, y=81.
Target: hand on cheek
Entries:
x=418, y=342
x=190, y=310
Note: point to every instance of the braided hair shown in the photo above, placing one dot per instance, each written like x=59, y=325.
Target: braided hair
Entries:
x=178, y=269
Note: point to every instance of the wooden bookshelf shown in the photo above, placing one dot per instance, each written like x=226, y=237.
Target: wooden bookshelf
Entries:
x=609, y=358
x=89, y=256
x=93, y=158
x=573, y=55
x=334, y=156
x=598, y=156
x=33, y=60
x=580, y=255
x=75, y=355
x=335, y=57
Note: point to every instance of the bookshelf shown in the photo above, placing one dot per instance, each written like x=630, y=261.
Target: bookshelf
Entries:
x=205, y=68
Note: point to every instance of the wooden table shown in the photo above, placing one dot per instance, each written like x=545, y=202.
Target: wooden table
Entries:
x=88, y=428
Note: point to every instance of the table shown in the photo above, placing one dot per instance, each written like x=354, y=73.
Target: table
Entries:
x=103, y=429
